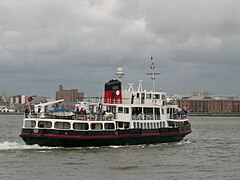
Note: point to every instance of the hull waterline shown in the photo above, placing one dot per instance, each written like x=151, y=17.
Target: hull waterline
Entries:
x=102, y=139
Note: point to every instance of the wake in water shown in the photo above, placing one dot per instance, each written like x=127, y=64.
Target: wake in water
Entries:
x=17, y=146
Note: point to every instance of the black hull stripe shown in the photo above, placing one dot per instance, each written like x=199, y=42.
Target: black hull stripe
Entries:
x=101, y=136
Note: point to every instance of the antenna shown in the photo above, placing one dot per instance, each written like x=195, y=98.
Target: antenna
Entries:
x=130, y=87
x=153, y=73
x=140, y=86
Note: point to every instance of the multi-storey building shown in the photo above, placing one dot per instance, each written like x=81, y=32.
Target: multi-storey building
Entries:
x=211, y=106
x=69, y=95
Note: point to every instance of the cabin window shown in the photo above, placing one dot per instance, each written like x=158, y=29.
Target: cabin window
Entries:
x=156, y=96
x=134, y=125
x=126, y=125
x=138, y=125
x=44, y=124
x=120, y=124
x=109, y=126
x=148, y=96
x=62, y=125
x=163, y=96
x=162, y=111
x=30, y=124
x=126, y=110
x=142, y=98
x=137, y=95
x=163, y=124
x=157, y=113
x=80, y=126
x=136, y=110
x=148, y=112
x=168, y=110
x=120, y=109
x=96, y=126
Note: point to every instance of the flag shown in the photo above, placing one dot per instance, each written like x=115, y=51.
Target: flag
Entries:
x=30, y=99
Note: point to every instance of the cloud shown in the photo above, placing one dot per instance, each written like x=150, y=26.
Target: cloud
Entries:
x=80, y=43
x=206, y=42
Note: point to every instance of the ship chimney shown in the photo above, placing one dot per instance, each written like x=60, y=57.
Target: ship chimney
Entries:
x=120, y=74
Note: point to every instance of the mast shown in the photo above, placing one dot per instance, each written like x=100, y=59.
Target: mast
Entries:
x=153, y=73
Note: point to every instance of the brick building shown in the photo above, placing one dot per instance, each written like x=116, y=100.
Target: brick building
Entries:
x=69, y=95
x=211, y=106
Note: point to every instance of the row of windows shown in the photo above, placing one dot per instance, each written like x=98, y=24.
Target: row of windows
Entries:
x=125, y=110
x=67, y=125
x=137, y=110
x=151, y=96
x=152, y=125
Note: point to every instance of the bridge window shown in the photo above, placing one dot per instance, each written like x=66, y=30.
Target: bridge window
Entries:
x=156, y=96
x=148, y=96
x=137, y=95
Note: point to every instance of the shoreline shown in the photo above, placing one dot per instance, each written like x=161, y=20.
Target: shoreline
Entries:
x=11, y=113
x=205, y=115
x=216, y=115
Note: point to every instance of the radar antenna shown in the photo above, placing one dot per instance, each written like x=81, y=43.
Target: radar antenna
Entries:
x=153, y=73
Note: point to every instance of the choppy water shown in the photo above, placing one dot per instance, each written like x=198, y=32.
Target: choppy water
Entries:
x=212, y=151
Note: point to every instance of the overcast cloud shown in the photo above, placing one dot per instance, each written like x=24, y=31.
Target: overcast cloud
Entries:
x=80, y=44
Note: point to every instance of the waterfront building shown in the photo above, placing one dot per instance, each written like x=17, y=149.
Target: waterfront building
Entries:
x=211, y=106
x=3, y=99
x=70, y=96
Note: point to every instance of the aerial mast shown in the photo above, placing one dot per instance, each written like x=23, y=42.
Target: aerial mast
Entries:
x=153, y=73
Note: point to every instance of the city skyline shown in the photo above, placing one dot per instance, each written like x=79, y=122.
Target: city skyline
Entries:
x=80, y=44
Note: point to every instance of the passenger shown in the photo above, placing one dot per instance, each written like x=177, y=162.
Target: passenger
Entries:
x=26, y=112
x=77, y=112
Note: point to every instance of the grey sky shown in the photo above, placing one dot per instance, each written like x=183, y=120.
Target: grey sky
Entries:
x=80, y=44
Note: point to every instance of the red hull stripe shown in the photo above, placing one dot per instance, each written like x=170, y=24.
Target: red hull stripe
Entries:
x=102, y=136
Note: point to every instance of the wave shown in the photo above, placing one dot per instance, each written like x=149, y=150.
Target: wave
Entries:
x=182, y=142
x=18, y=146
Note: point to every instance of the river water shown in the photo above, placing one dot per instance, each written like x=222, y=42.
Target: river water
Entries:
x=212, y=151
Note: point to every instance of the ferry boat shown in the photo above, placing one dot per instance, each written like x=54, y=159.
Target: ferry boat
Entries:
x=122, y=117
